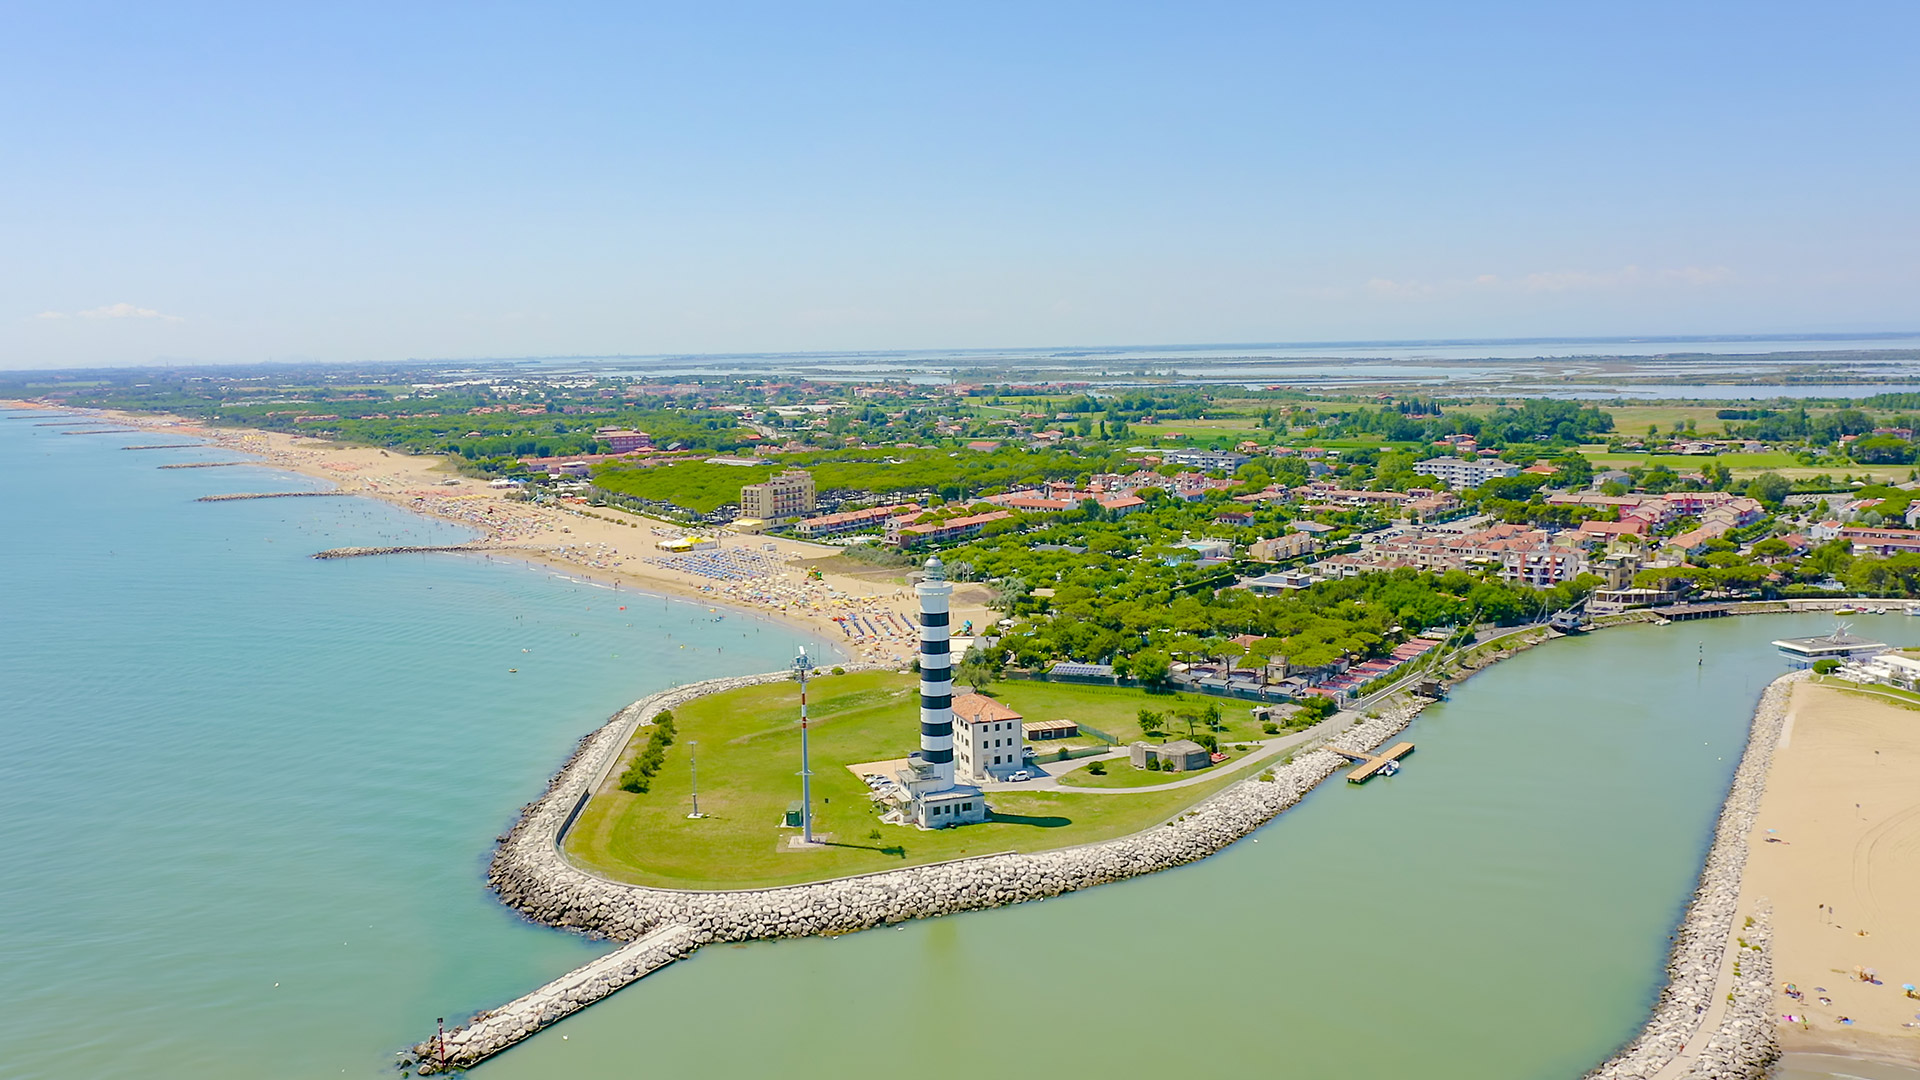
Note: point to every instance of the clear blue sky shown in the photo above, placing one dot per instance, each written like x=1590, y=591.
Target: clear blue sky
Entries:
x=242, y=182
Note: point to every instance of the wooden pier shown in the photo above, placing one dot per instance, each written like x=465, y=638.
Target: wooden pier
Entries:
x=1371, y=764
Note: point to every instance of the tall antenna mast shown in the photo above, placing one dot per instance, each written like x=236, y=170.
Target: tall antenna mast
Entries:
x=802, y=667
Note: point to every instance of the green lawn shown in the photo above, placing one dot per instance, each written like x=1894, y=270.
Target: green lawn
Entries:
x=749, y=755
x=1122, y=774
x=1116, y=711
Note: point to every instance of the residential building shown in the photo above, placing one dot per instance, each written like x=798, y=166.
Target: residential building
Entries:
x=1280, y=548
x=987, y=739
x=788, y=495
x=1881, y=541
x=1465, y=474
x=852, y=520
x=625, y=441
x=902, y=532
x=1210, y=460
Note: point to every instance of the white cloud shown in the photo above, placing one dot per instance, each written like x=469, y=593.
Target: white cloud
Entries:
x=112, y=311
x=126, y=311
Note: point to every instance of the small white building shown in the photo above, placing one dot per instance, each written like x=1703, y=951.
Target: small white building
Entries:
x=988, y=739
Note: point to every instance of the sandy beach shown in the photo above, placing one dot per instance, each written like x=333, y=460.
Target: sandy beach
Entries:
x=862, y=612
x=1836, y=850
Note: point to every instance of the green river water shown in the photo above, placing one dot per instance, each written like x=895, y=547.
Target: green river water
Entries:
x=1500, y=909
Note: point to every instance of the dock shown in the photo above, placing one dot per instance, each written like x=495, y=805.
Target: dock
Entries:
x=272, y=495
x=1688, y=612
x=1371, y=764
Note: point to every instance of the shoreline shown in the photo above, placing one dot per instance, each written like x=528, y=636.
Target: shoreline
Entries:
x=575, y=542
x=1737, y=1046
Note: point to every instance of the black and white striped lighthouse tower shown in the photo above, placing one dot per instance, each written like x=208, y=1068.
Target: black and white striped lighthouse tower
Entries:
x=936, y=676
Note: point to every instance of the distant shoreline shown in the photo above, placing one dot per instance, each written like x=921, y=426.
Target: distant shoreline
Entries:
x=406, y=473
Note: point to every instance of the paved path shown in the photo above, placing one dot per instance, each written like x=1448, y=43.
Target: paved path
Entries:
x=1050, y=781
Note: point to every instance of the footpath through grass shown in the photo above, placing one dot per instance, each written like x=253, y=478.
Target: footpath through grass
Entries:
x=748, y=743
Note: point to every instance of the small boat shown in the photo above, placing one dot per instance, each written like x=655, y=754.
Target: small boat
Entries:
x=1389, y=769
x=1846, y=611
x=1879, y=611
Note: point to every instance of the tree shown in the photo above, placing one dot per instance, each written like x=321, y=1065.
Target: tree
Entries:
x=1150, y=666
x=1769, y=488
x=1149, y=721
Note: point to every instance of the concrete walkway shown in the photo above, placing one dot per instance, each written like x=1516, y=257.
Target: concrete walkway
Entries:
x=1269, y=748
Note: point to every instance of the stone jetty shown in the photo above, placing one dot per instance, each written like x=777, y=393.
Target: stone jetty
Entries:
x=105, y=431
x=490, y=1031
x=361, y=552
x=532, y=876
x=166, y=446
x=274, y=495
x=1713, y=1020
x=209, y=464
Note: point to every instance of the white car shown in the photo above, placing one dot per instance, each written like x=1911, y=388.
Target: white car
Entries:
x=1020, y=776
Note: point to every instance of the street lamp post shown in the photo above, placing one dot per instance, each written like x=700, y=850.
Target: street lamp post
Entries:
x=802, y=667
x=693, y=755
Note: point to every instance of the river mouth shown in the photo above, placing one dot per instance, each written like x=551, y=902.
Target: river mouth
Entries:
x=1500, y=909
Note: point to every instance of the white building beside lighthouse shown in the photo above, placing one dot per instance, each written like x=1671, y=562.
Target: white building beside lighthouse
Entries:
x=934, y=800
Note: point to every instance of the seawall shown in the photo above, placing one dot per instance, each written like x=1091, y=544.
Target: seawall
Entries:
x=1713, y=1020
x=533, y=877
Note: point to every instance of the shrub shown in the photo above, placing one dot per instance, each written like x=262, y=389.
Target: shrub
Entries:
x=1096, y=768
x=638, y=778
x=1270, y=728
x=1825, y=667
x=839, y=670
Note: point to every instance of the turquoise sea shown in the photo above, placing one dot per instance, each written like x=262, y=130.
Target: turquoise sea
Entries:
x=247, y=799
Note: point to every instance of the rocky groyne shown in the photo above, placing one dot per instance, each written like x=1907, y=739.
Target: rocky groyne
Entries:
x=532, y=876
x=208, y=464
x=1740, y=1042
x=495, y=1029
x=274, y=495
x=362, y=552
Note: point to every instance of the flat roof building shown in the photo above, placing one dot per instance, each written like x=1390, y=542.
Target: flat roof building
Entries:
x=1840, y=645
x=788, y=495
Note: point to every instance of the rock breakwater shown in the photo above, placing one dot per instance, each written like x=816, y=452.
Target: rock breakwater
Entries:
x=273, y=495
x=361, y=552
x=532, y=876
x=1731, y=1039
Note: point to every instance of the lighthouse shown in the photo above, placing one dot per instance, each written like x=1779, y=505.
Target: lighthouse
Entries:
x=931, y=799
x=936, y=673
